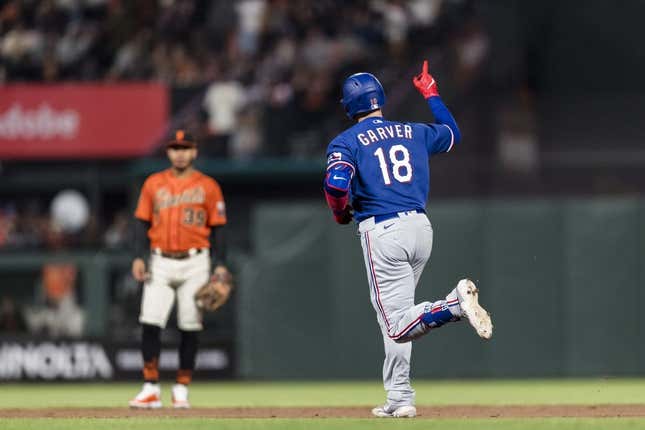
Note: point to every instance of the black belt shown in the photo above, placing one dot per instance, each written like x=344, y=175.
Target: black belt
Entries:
x=385, y=217
x=178, y=255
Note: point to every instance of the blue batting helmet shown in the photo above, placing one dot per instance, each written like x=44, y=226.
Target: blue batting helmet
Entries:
x=362, y=92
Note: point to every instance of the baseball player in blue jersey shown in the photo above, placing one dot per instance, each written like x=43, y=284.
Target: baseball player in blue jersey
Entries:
x=382, y=168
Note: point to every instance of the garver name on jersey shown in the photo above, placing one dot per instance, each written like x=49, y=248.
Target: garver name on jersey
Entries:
x=164, y=199
x=387, y=132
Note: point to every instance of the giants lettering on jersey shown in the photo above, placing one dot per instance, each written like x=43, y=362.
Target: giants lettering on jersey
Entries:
x=164, y=199
x=400, y=131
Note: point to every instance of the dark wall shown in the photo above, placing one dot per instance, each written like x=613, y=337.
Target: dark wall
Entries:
x=563, y=280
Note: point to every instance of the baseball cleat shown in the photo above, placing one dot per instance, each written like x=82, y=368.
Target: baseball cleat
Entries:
x=381, y=412
x=478, y=317
x=180, y=396
x=148, y=398
x=407, y=411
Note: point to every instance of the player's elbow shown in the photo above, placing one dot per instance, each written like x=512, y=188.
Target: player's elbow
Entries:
x=456, y=134
x=334, y=190
x=337, y=182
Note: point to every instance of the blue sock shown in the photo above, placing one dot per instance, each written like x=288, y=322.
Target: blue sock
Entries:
x=438, y=315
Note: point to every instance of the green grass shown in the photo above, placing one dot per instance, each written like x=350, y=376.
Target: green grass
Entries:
x=359, y=393
x=328, y=424
x=512, y=392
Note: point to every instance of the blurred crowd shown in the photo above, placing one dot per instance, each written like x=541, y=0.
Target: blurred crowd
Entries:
x=261, y=78
x=62, y=222
x=49, y=307
x=250, y=78
x=268, y=71
x=43, y=299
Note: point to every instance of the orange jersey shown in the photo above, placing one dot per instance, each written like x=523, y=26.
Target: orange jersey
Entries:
x=181, y=211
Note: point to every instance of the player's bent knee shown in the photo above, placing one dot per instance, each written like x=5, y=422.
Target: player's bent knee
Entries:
x=399, y=338
x=411, y=334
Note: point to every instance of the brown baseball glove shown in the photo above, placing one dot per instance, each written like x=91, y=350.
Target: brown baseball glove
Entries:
x=216, y=291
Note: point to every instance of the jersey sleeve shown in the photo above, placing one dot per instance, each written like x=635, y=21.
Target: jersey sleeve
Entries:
x=216, y=207
x=145, y=203
x=438, y=138
x=339, y=155
x=338, y=177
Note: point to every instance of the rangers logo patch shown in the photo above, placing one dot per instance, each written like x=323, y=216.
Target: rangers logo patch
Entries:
x=334, y=156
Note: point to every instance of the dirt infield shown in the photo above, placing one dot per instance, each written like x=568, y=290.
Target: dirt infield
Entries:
x=457, y=411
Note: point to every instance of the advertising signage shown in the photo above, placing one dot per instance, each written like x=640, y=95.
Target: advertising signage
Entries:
x=81, y=120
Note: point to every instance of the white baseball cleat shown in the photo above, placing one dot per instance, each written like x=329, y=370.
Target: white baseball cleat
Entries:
x=407, y=411
x=478, y=317
x=180, y=396
x=148, y=398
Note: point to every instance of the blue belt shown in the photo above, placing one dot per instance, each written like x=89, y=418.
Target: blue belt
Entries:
x=385, y=217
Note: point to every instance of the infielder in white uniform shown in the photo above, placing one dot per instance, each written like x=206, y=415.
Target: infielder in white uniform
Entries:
x=383, y=168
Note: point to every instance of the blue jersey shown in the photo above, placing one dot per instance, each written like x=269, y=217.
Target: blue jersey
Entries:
x=389, y=163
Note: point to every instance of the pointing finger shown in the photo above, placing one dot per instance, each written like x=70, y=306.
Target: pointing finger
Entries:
x=425, y=67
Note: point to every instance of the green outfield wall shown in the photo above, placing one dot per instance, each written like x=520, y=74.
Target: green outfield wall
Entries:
x=563, y=280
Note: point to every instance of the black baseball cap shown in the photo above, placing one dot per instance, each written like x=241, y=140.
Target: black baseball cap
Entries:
x=183, y=139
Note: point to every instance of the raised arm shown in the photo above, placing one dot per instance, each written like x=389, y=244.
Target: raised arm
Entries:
x=427, y=86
